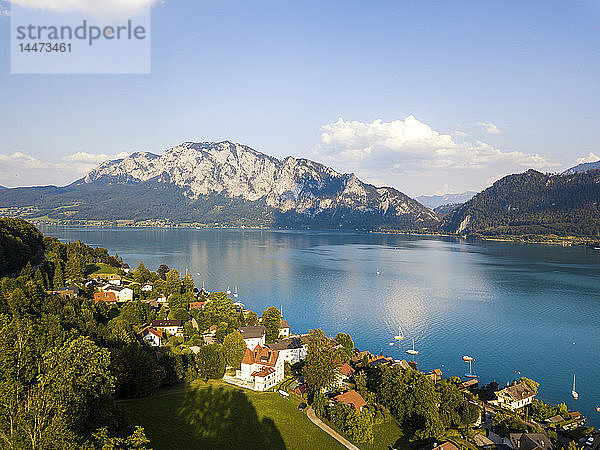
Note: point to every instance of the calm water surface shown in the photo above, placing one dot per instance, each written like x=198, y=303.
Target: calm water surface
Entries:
x=520, y=310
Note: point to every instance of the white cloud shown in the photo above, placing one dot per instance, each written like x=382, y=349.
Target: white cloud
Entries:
x=489, y=127
x=20, y=169
x=97, y=8
x=24, y=161
x=413, y=142
x=415, y=158
x=591, y=157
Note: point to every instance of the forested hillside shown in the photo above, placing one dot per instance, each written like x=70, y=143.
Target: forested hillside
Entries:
x=65, y=360
x=532, y=203
x=20, y=243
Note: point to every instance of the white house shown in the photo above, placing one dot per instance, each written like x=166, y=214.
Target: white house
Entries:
x=284, y=329
x=290, y=349
x=261, y=367
x=147, y=287
x=172, y=327
x=124, y=294
x=515, y=396
x=151, y=335
x=253, y=336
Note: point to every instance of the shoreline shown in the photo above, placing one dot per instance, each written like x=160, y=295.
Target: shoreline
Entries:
x=550, y=240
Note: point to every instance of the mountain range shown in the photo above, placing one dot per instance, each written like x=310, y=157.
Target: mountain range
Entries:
x=229, y=184
x=433, y=201
x=583, y=167
x=226, y=184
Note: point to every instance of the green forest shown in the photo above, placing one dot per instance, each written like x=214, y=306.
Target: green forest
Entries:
x=532, y=203
x=65, y=362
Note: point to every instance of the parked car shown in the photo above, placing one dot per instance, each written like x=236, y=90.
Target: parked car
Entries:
x=302, y=406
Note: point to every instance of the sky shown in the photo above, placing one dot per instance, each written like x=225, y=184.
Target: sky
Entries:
x=429, y=97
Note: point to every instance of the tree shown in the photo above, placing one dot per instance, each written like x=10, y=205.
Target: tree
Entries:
x=357, y=425
x=137, y=313
x=136, y=441
x=360, y=380
x=136, y=372
x=319, y=404
x=345, y=340
x=162, y=271
x=320, y=368
x=234, y=348
x=219, y=308
x=221, y=331
x=533, y=385
x=59, y=279
x=179, y=314
x=412, y=399
x=210, y=362
x=251, y=319
x=141, y=274
x=78, y=384
x=172, y=282
x=271, y=321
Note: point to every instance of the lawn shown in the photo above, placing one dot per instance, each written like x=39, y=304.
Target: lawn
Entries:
x=100, y=268
x=220, y=416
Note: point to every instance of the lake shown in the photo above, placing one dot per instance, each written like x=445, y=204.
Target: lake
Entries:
x=518, y=309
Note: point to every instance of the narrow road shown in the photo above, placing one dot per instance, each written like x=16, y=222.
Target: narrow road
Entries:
x=318, y=422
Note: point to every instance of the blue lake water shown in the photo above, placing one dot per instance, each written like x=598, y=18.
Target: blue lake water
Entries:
x=519, y=310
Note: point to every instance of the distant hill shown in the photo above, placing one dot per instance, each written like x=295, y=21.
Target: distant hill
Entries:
x=532, y=203
x=433, y=201
x=584, y=167
x=226, y=184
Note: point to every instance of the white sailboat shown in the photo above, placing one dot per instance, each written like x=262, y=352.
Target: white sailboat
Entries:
x=400, y=334
x=574, y=393
x=412, y=351
x=228, y=291
x=235, y=293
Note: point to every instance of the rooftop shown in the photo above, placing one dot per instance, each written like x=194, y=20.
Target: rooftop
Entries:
x=252, y=332
x=352, y=398
x=517, y=392
x=261, y=355
x=286, y=344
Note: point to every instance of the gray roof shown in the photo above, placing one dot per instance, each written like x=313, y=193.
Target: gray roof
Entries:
x=252, y=332
x=287, y=344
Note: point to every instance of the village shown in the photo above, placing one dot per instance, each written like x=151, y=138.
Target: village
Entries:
x=502, y=417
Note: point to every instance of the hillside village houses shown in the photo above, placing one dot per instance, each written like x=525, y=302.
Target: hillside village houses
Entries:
x=515, y=396
x=124, y=294
x=152, y=336
x=171, y=326
x=110, y=298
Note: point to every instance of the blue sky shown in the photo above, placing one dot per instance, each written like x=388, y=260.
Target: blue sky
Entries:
x=428, y=97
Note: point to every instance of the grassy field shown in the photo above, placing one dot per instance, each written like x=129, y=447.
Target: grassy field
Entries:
x=220, y=416
x=100, y=268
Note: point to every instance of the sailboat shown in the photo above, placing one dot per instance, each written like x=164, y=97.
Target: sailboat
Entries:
x=574, y=393
x=412, y=351
x=470, y=374
x=400, y=334
x=228, y=291
x=235, y=294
